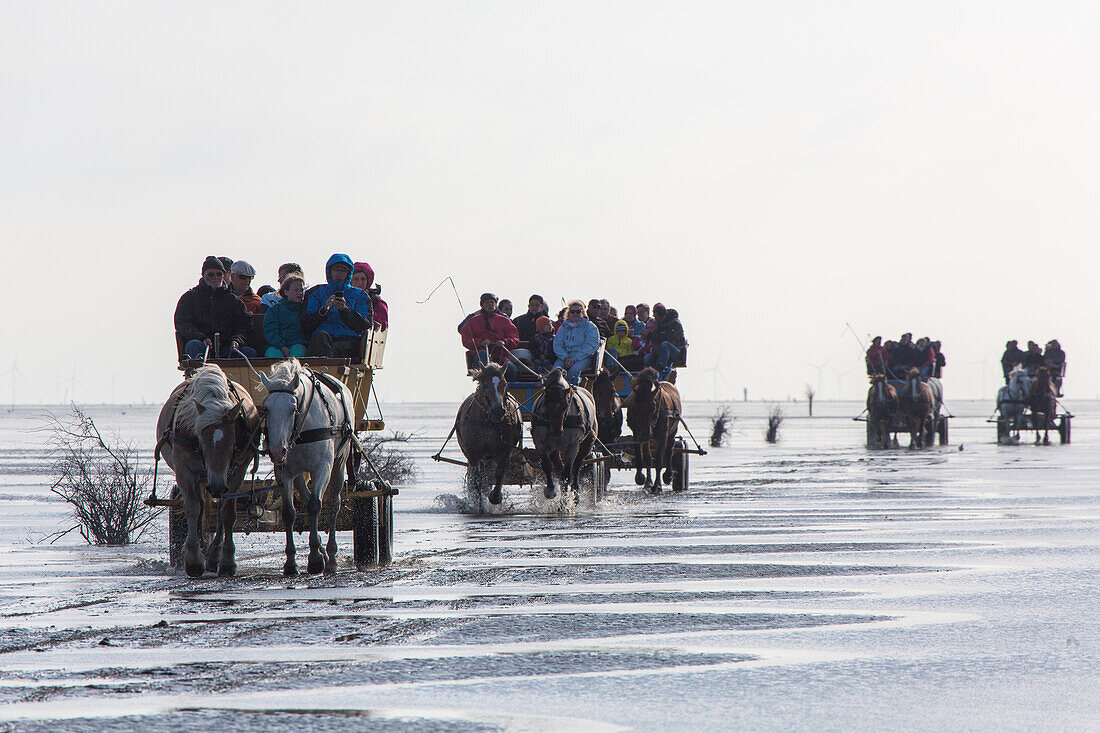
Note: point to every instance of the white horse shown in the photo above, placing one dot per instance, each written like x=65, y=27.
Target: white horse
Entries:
x=1012, y=402
x=310, y=426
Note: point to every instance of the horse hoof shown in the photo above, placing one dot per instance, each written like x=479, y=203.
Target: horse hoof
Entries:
x=212, y=564
x=290, y=570
x=195, y=570
x=227, y=570
x=654, y=489
x=495, y=496
x=639, y=478
x=667, y=477
x=316, y=563
x=551, y=492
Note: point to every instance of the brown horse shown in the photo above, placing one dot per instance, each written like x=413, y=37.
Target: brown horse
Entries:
x=1043, y=404
x=488, y=426
x=609, y=409
x=563, y=429
x=920, y=401
x=209, y=426
x=653, y=414
x=882, y=401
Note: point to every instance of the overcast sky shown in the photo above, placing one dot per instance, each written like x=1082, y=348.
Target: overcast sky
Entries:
x=773, y=170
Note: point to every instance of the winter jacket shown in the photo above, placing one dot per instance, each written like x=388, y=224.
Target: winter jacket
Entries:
x=1054, y=358
x=670, y=330
x=269, y=300
x=495, y=327
x=204, y=311
x=1033, y=360
x=623, y=346
x=877, y=358
x=905, y=356
x=542, y=350
x=352, y=321
x=252, y=302
x=578, y=340
x=637, y=329
x=381, y=312
x=1011, y=358
x=525, y=325
x=283, y=324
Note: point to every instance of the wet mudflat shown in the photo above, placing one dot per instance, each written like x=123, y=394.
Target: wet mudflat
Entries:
x=810, y=585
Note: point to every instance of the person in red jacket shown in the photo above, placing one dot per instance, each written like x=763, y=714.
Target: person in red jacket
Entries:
x=488, y=333
x=877, y=357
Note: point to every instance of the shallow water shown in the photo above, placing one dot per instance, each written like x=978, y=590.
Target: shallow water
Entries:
x=808, y=585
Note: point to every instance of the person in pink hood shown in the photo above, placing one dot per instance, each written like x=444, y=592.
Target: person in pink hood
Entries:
x=362, y=277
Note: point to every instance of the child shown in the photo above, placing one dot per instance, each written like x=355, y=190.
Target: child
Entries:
x=542, y=345
x=282, y=324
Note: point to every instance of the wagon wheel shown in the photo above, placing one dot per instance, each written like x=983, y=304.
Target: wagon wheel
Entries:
x=943, y=431
x=385, y=529
x=1002, y=429
x=681, y=480
x=1064, y=429
x=364, y=531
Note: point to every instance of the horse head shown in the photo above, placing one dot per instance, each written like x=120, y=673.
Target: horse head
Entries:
x=283, y=408
x=880, y=392
x=556, y=389
x=491, y=391
x=606, y=398
x=211, y=414
x=643, y=403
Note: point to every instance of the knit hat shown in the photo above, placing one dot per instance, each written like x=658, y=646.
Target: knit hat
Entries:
x=243, y=268
x=212, y=263
x=226, y=263
x=541, y=322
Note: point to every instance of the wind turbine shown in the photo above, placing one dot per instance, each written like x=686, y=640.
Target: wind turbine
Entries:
x=72, y=382
x=15, y=374
x=840, y=380
x=716, y=374
x=820, y=371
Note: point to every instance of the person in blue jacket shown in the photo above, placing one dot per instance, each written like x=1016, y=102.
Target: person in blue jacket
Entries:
x=576, y=343
x=336, y=313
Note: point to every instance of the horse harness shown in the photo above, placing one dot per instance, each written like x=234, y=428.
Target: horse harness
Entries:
x=335, y=429
x=247, y=442
x=579, y=421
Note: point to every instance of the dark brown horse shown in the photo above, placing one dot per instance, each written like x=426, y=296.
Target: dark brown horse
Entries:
x=563, y=429
x=920, y=401
x=609, y=409
x=653, y=414
x=206, y=434
x=1043, y=404
x=488, y=427
x=882, y=402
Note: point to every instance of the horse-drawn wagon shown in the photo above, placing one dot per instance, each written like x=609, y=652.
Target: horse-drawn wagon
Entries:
x=1030, y=402
x=912, y=405
x=591, y=414
x=363, y=504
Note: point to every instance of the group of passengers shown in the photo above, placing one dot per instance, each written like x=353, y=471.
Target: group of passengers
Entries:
x=1052, y=357
x=536, y=344
x=896, y=358
x=222, y=315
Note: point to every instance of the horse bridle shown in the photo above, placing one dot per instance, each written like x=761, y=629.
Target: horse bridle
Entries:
x=298, y=435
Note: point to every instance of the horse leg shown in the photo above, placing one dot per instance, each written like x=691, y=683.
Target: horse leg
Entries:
x=290, y=567
x=579, y=458
x=548, y=469
x=215, y=548
x=316, y=562
x=335, y=490
x=192, y=507
x=639, y=477
x=497, y=492
x=227, y=564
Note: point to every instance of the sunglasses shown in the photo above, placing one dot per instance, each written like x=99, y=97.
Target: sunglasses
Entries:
x=575, y=310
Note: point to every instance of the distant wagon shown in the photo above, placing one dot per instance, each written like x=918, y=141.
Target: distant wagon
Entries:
x=367, y=505
x=1027, y=402
x=912, y=405
x=524, y=464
